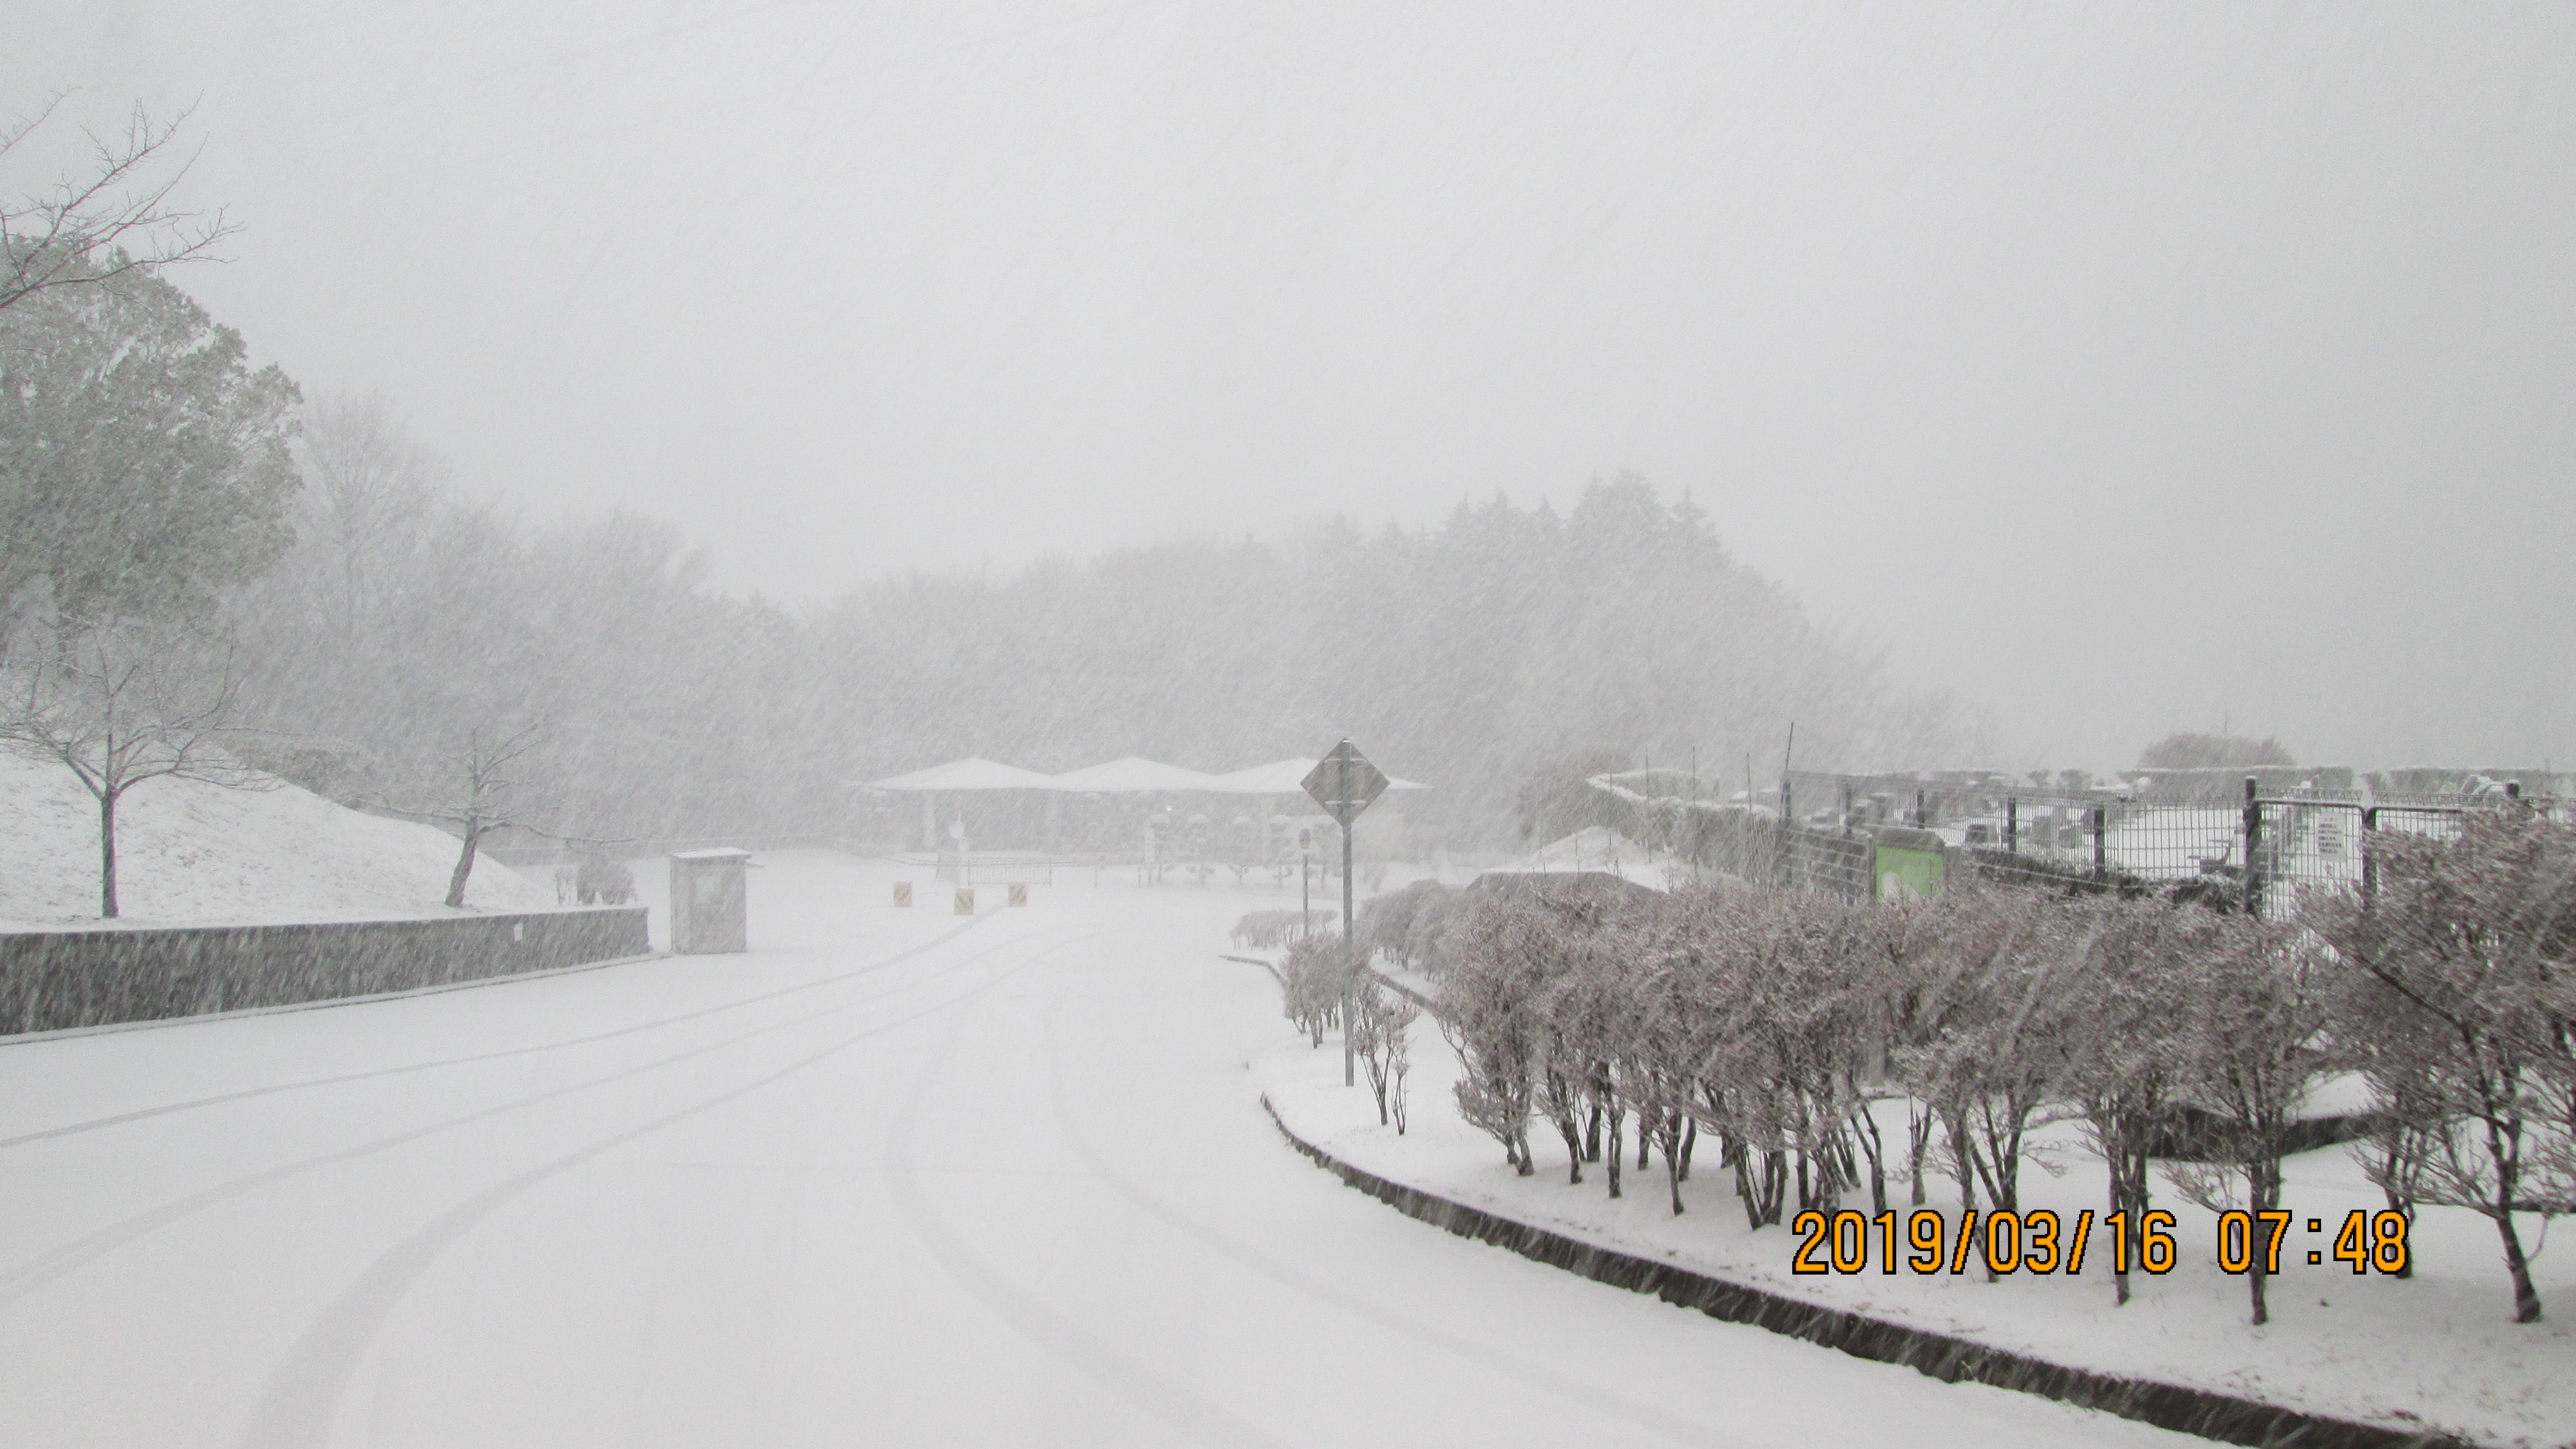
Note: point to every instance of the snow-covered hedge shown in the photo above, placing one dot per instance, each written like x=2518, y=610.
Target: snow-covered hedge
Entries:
x=1766, y=1018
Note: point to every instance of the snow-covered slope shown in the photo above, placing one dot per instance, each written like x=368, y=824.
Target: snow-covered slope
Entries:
x=193, y=853
x=1600, y=848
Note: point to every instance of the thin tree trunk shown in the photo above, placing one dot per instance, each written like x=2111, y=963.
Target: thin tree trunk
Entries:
x=2263, y=1194
x=464, y=867
x=2405, y=1208
x=1864, y=1131
x=1741, y=1158
x=1918, y=1137
x=2526, y=1298
x=107, y=854
x=1610, y=1149
x=2128, y=1195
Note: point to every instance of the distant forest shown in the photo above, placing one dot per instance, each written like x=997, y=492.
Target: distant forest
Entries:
x=189, y=550
x=1505, y=646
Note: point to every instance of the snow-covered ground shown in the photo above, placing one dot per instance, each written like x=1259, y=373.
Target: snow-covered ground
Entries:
x=893, y=1177
x=192, y=853
x=2432, y=1352
x=1599, y=848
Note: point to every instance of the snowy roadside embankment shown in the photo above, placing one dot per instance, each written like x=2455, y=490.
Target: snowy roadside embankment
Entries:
x=2434, y=1354
x=1599, y=848
x=191, y=853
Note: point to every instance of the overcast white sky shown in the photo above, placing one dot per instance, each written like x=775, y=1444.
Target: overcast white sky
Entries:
x=2121, y=367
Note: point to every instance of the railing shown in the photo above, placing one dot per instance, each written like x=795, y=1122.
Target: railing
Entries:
x=2277, y=835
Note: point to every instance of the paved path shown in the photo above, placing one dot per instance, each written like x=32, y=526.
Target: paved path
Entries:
x=893, y=1178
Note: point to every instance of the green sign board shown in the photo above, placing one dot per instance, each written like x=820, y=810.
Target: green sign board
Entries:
x=1900, y=872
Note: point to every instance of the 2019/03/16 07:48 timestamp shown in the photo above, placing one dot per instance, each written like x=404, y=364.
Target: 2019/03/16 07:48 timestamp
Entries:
x=2040, y=1241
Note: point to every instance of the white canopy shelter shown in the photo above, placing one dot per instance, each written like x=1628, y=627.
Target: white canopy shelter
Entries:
x=971, y=773
x=1131, y=776
x=1277, y=779
x=1284, y=777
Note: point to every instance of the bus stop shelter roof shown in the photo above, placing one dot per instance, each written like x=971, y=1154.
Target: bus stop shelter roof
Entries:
x=1284, y=777
x=1133, y=775
x=971, y=773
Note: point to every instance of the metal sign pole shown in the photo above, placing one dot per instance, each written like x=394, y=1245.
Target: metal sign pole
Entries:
x=1350, y=962
x=1344, y=783
x=1305, y=882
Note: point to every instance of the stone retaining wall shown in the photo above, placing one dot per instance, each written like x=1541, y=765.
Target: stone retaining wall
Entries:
x=52, y=980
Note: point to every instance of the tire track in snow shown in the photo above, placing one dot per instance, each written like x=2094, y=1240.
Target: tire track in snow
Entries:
x=303, y=1393
x=35, y=1273
x=1149, y=1391
x=143, y=1114
x=1519, y=1370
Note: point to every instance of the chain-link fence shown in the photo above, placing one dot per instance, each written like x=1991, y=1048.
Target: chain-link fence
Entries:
x=2276, y=833
x=2307, y=842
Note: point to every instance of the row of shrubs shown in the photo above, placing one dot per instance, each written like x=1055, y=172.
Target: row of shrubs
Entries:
x=1316, y=985
x=1767, y=1020
x=1270, y=930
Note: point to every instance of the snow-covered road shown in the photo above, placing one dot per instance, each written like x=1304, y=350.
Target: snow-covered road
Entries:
x=893, y=1178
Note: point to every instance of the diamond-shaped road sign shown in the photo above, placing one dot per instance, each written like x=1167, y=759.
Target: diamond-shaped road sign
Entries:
x=1344, y=783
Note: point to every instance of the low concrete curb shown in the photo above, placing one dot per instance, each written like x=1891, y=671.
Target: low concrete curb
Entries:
x=324, y=1004
x=1257, y=961
x=1951, y=1360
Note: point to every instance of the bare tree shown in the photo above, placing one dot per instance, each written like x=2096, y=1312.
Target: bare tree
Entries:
x=1380, y=1021
x=2121, y=1028
x=481, y=789
x=112, y=216
x=118, y=704
x=1490, y=1015
x=2467, y=1025
x=1310, y=984
x=2255, y=1035
x=367, y=484
x=1993, y=1071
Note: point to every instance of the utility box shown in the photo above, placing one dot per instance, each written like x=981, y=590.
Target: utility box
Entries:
x=708, y=909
